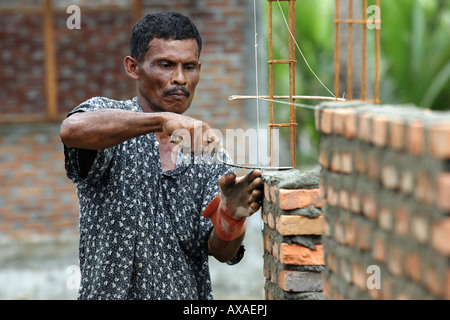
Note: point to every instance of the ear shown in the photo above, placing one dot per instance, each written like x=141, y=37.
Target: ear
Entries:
x=131, y=66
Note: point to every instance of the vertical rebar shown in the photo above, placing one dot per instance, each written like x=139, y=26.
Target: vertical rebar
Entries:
x=377, y=56
x=364, y=52
x=350, y=51
x=336, y=50
x=292, y=120
x=270, y=83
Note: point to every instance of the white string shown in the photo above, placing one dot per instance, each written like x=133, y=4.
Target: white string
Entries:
x=300, y=105
x=256, y=81
x=301, y=52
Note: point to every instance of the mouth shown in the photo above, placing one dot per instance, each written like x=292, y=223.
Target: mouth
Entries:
x=177, y=92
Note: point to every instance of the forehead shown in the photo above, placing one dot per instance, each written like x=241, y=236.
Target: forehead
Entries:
x=172, y=49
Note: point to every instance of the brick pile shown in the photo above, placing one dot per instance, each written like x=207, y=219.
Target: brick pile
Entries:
x=386, y=181
x=293, y=223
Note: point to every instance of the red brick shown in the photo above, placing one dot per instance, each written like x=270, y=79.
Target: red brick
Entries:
x=379, y=130
x=397, y=132
x=424, y=188
x=355, y=204
x=364, y=126
x=413, y=266
x=395, y=260
x=346, y=162
x=360, y=161
x=289, y=225
x=335, y=161
x=359, y=276
x=271, y=220
x=407, y=181
x=344, y=201
x=340, y=121
x=402, y=219
x=443, y=191
x=363, y=235
x=439, y=140
x=440, y=236
x=369, y=207
x=385, y=219
x=326, y=121
x=350, y=126
x=300, y=255
x=300, y=198
x=379, y=248
x=415, y=137
x=389, y=177
x=372, y=166
x=350, y=232
x=339, y=232
x=420, y=228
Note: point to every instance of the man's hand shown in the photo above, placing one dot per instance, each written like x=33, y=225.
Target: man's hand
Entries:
x=242, y=196
x=191, y=135
x=239, y=198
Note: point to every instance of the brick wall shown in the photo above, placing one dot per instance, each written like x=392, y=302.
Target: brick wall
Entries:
x=293, y=223
x=386, y=181
x=36, y=198
x=89, y=60
x=35, y=195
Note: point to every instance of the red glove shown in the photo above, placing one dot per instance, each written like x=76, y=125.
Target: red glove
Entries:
x=227, y=227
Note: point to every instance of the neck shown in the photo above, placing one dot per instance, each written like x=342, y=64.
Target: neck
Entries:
x=144, y=104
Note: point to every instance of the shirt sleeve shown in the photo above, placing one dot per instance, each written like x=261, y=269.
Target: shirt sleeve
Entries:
x=102, y=158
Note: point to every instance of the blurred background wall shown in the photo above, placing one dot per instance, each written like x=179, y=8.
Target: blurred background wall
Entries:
x=47, y=70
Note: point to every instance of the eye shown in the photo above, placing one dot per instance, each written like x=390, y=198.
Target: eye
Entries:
x=190, y=66
x=165, y=65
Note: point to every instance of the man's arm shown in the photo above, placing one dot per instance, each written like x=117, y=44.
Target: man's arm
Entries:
x=101, y=129
x=223, y=250
x=238, y=199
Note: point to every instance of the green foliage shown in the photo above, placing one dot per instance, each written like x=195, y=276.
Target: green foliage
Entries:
x=416, y=52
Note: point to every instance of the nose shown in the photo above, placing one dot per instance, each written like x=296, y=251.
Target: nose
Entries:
x=178, y=76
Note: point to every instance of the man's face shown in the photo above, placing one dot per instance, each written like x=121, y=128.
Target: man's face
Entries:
x=169, y=74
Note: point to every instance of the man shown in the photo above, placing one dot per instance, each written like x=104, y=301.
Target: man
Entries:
x=149, y=218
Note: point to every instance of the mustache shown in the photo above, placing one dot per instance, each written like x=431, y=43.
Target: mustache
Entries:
x=174, y=89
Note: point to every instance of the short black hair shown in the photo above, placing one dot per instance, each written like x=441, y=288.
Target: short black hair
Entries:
x=161, y=25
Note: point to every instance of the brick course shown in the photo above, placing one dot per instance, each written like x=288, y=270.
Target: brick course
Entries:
x=389, y=207
x=293, y=225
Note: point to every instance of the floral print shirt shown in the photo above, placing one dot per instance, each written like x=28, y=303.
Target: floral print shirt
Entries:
x=142, y=235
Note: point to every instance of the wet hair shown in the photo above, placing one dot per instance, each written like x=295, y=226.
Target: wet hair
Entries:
x=161, y=25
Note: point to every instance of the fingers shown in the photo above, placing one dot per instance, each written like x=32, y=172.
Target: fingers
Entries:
x=253, y=176
x=191, y=135
x=227, y=180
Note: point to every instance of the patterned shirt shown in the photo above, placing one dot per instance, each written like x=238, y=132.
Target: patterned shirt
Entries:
x=142, y=235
